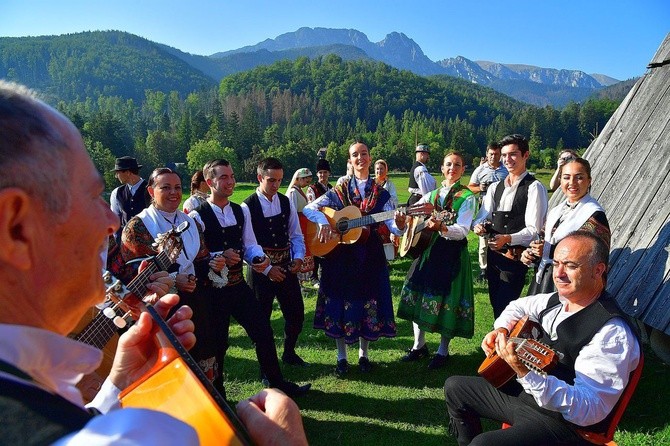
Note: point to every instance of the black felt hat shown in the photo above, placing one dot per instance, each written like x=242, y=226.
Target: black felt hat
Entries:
x=126, y=163
x=322, y=164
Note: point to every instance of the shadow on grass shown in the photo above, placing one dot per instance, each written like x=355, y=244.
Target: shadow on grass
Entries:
x=360, y=433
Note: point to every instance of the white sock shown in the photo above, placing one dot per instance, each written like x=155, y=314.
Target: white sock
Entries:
x=363, y=349
x=341, y=349
x=419, y=337
x=444, y=346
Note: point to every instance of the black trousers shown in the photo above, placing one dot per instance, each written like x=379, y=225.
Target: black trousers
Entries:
x=289, y=296
x=506, y=278
x=470, y=398
x=239, y=302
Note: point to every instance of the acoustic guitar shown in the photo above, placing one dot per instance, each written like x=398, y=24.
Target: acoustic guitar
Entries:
x=99, y=327
x=532, y=353
x=415, y=240
x=177, y=386
x=349, y=225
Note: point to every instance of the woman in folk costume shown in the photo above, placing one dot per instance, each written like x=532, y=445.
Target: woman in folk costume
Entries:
x=579, y=211
x=199, y=192
x=193, y=263
x=296, y=195
x=354, y=301
x=438, y=296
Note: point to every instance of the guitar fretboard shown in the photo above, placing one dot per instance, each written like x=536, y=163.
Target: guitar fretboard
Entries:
x=101, y=329
x=372, y=218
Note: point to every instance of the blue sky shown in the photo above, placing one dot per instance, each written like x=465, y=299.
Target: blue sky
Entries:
x=613, y=37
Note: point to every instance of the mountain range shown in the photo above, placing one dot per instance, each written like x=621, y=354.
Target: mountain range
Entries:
x=535, y=85
x=97, y=59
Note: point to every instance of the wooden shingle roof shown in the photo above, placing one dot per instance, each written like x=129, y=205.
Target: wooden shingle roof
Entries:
x=631, y=179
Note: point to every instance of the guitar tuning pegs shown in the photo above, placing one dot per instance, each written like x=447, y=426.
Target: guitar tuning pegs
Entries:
x=120, y=321
x=109, y=312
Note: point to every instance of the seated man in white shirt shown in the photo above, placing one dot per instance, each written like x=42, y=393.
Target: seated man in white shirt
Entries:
x=597, y=351
x=54, y=224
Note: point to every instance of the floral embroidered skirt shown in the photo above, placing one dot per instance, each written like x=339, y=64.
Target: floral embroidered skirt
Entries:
x=438, y=294
x=355, y=294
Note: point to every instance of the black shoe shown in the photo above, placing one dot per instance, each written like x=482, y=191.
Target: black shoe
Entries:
x=438, y=361
x=292, y=389
x=264, y=380
x=364, y=364
x=342, y=367
x=482, y=275
x=293, y=359
x=414, y=355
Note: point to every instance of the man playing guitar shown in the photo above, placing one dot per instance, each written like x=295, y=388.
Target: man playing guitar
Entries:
x=597, y=351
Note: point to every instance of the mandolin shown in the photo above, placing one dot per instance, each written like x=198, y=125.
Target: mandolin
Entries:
x=415, y=240
x=532, y=353
x=100, y=326
x=349, y=224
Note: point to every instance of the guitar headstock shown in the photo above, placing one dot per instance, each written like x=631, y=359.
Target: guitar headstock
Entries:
x=447, y=216
x=170, y=242
x=118, y=305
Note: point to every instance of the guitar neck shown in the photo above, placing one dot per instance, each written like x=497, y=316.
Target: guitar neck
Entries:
x=367, y=220
x=102, y=329
x=98, y=332
x=138, y=286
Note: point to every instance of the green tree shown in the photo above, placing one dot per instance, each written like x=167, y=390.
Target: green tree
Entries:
x=203, y=151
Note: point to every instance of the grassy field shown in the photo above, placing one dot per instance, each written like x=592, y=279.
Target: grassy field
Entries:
x=403, y=403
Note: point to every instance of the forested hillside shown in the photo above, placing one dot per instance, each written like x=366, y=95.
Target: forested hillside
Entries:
x=87, y=65
x=130, y=96
x=291, y=109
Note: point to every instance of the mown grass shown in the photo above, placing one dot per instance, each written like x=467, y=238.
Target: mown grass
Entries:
x=403, y=403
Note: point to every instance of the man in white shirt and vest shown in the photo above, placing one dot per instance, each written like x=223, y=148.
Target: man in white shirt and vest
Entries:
x=597, y=352
x=420, y=180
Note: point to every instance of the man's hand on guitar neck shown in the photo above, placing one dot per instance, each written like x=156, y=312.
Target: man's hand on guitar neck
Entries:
x=136, y=352
x=400, y=219
x=489, y=341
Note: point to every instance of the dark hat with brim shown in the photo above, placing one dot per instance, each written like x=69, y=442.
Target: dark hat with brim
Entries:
x=423, y=148
x=322, y=164
x=126, y=163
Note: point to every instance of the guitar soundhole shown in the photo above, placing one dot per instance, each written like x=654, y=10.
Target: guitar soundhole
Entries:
x=342, y=225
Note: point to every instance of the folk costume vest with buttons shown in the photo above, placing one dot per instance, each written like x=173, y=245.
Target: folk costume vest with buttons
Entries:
x=218, y=238
x=271, y=232
x=412, y=180
x=514, y=220
x=319, y=189
x=131, y=205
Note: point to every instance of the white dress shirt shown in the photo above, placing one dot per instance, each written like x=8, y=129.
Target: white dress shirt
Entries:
x=226, y=218
x=57, y=363
x=536, y=208
x=273, y=207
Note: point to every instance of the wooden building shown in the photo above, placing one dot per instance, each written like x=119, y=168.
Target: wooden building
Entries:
x=631, y=179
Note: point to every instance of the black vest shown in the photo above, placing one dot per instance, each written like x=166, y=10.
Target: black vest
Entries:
x=412, y=181
x=514, y=220
x=218, y=238
x=271, y=232
x=572, y=335
x=131, y=205
x=577, y=331
x=32, y=416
